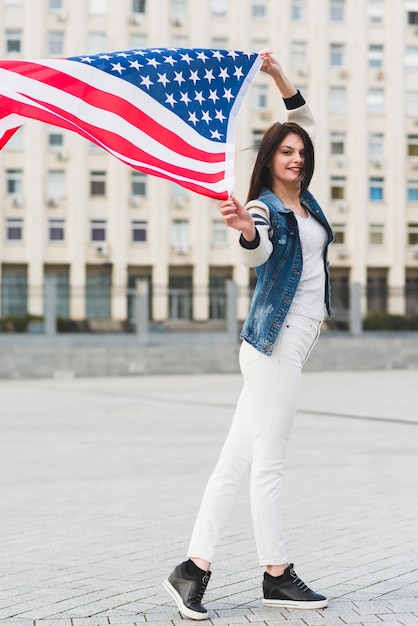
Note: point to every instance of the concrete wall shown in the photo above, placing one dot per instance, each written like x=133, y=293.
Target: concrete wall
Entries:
x=99, y=355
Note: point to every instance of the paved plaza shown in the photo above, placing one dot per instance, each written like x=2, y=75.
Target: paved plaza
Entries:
x=101, y=479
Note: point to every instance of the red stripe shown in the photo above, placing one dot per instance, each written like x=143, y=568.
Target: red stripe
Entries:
x=109, y=102
x=91, y=132
x=8, y=133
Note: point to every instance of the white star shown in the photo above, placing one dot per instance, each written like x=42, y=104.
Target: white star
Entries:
x=224, y=74
x=193, y=118
x=185, y=98
x=209, y=75
x=169, y=60
x=213, y=95
x=185, y=57
x=238, y=72
x=202, y=56
x=179, y=78
x=135, y=64
x=206, y=117
x=156, y=50
x=228, y=95
x=105, y=56
x=215, y=134
x=170, y=99
x=199, y=97
x=194, y=76
x=163, y=79
x=153, y=62
x=141, y=52
x=117, y=67
x=122, y=54
x=86, y=59
x=233, y=54
x=219, y=115
x=217, y=54
x=146, y=81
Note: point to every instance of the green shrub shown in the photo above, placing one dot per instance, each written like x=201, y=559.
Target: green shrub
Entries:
x=389, y=321
x=18, y=323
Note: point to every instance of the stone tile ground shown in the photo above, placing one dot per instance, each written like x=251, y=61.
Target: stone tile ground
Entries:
x=101, y=480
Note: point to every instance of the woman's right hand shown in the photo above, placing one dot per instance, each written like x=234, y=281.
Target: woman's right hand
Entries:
x=236, y=216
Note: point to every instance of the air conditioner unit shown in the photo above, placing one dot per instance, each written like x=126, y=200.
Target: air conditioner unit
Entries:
x=136, y=18
x=342, y=253
x=135, y=201
x=177, y=21
x=102, y=249
x=344, y=74
x=376, y=163
x=62, y=155
x=416, y=253
x=62, y=16
x=181, y=250
x=17, y=201
x=340, y=161
x=179, y=202
x=380, y=75
x=265, y=115
x=53, y=202
x=302, y=72
x=342, y=206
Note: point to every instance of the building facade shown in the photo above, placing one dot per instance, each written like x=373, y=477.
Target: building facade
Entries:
x=72, y=213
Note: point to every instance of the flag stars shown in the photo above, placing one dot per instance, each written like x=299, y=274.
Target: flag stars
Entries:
x=217, y=54
x=192, y=118
x=215, y=134
x=170, y=60
x=86, y=59
x=162, y=78
x=170, y=99
x=117, y=67
x=185, y=98
x=194, y=76
x=206, y=117
x=224, y=74
x=186, y=57
x=146, y=81
x=153, y=62
x=213, y=95
x=238, y=72
x=135, y=64
x=179, y=78
x=209, y=76
x=219, y=115
x=202, y=56
x=228, y=95
x=199, y=96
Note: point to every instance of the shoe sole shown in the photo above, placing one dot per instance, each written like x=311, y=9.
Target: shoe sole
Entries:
x=293, y=604
x=181, y=606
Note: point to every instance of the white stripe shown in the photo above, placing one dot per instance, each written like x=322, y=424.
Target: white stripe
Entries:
x=126, y=90
x=91, y=115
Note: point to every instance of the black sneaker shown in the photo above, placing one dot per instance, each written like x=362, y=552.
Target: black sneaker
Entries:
x=188, y=589
x=290, y=591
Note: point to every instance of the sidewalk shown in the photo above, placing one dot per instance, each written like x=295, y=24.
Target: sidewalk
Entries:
x=101, y=480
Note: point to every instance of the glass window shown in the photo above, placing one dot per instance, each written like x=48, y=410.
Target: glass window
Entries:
x=411, y=102
x=413, y=145
x=55, y=5
x=219, y=8
x=376, y=100
x=376, y=145
x=412, y=191
x=56, y=229
x=55, y=43
x=137, y=40
x=221, y=43
x=375, y=55
x=412, y=18
x=97, y=230
x=139, y=231
x=97, y=183
x=375, y=11
x=337, y=54
x=219, y=233
x=138, y=184
x=299, y=55
x=14, y=182
x=55, y=138
x=259, y=9
x=413, y=234
x=339, y=233
x=376, y=189
x=98, y=293
x=411, y=58
x=336, y=10
x=138, y=6
x=180, y=236
x=13, y=40
x=14, y=228
x=337, y=96
x=98, y=7
x=16, y=140
x=257, y=136
x=337, y=143
x=96, y=43
x=14, y=291
x=298, y=10
x=260, y=96
x=55, y=185
x=376, y=234
x=178, y=11
x=338, y=188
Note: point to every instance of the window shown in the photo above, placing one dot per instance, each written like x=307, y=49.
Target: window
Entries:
x=55, y=43
x=337, y=143
x=55, y=186
x=376, y=145
x=96, y=43
x=413, y=145
x=97, y=230
x=14, y=291
x=336, y=10
x=98, y=293
x=180, y=236
x=16, y=140
x=14, y=229
x=97, y=183
x=337, y=99
x=14, y=182
x=219, y=233
x=55, y=138
x=138, y=184
x=259, y=9
x=375, y=11
x=412, y=191
x=13, y=40
x=179, y=195
x=139, y=231
x=221, y=43
x=336, y=54
x=55, y=5
x=260, y=96
x=298, y=11
x=339, y=234
x=178, y=12
x=411, y=102
x=56, y=229
x=376, y=234
x=412, y=234
x=137, y=41
x=298, y=55
x=338, y=188
x=375, y=56
x=411, y=58
x=375, y=189
x=412, y=18
x=257, y=136
x=219, y=8
x=98, y=7
x=375, y=100
x=138, y=6
x=179, y=41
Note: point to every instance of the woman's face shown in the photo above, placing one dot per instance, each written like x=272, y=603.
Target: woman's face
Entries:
x=287, y=163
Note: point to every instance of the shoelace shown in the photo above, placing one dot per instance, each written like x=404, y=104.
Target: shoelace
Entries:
x=299, y=582
x=202, y=588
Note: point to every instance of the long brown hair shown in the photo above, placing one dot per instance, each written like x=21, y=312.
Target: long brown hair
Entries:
x=272, y=138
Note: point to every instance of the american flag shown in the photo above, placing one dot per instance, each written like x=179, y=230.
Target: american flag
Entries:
x=169, y=112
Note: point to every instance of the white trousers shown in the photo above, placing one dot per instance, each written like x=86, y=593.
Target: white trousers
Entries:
x=257, y=442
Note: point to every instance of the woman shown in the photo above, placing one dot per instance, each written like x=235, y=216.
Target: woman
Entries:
x=284, y=235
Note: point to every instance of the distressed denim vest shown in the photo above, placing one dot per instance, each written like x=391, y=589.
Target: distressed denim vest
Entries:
x=278, y=277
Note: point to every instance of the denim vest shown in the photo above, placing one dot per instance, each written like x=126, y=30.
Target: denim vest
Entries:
x=278, y=277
